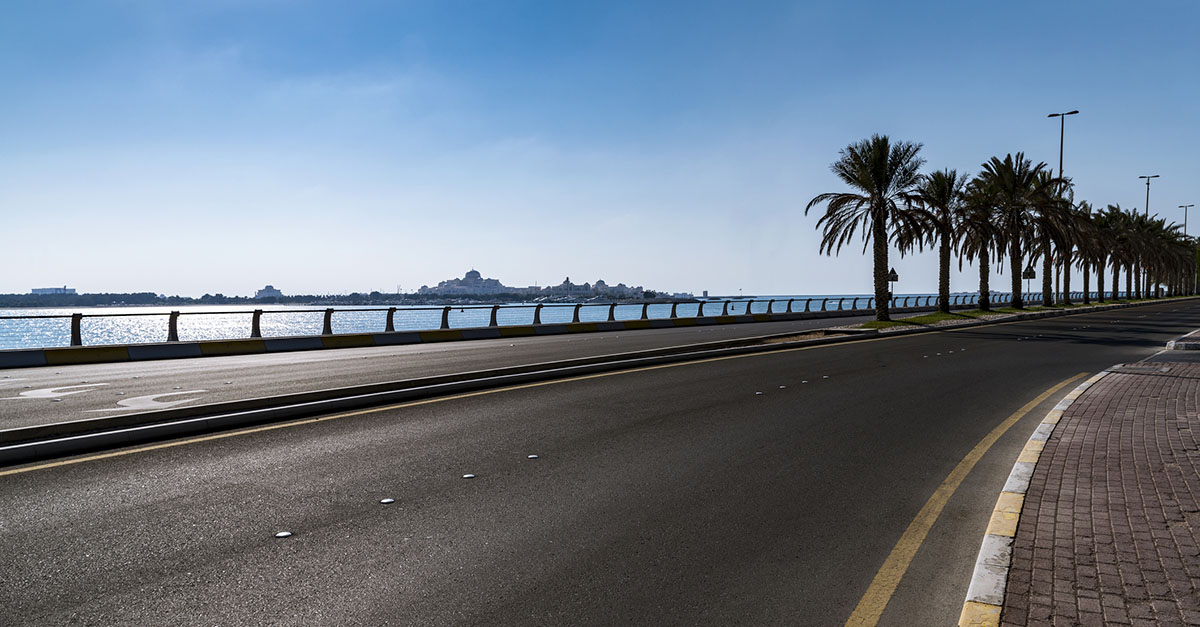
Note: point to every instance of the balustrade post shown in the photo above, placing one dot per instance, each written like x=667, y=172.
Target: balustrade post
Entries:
x=700, y=309
x=327, y=329
x=770, y=305
x=173, y=327
x=612, y=312
x=256, y=323
x=537, y=314
x=854, y=304
x=575, y=315
x=77, y=329
x=823, y=302
x=790, y=301
x=674, y=310
x=725, y=309
x=840, y=301
x=645, y=311
x=391, y=321
x=492, y=322
x=807, y=304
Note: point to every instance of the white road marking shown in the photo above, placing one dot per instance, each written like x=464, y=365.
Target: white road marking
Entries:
x=148, y=402
x=56, y=392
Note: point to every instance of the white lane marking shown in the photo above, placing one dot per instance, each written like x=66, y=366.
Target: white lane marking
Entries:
x=57, y=392
x=7, y=380
x=148, y=402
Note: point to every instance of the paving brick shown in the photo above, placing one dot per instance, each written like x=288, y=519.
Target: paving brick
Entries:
x=1110, y=529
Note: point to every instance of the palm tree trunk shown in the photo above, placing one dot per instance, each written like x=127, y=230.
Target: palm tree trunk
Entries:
x=1099, y=279
x=1087, y=281
x=944, y=272
x=1066, y=271
x=1129, y=281
x=1116, y=279
x=879, y=241
x=985, y=294
x=1014, y=262
x=1047, y=274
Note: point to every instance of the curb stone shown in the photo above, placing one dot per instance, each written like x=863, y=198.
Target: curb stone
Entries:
x=1183, y=344
x=985, y=596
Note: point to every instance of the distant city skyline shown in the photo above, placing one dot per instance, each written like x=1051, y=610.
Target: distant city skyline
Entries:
x=322, y=147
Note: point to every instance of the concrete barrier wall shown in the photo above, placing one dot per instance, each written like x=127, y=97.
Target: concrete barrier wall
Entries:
x=25, y=358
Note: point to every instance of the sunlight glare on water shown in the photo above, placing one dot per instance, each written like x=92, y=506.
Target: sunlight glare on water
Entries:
x=138, y=325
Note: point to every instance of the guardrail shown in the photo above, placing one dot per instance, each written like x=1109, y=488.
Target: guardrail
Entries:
x=542, y=313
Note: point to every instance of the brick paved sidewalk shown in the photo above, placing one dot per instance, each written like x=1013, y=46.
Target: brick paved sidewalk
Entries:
x=1110, y=530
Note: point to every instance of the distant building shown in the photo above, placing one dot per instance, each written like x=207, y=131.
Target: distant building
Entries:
x=52, y=290
x=567, y=288
x=471, y=284
x=268, y=292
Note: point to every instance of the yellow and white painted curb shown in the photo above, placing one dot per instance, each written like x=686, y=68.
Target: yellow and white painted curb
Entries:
x=985, y=596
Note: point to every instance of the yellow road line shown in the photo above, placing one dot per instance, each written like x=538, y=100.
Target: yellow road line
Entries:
x=883, y=586
x=373, y=410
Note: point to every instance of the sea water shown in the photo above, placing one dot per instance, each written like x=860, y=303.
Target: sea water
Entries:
x=51, y=327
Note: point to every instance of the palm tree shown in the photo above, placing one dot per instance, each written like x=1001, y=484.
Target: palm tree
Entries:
x=1102, y=247
x=885, y=177
x=977, y=234
x=1087, y=246
x=1017, y=189
x=1049, y=222
x=1076, y=230
x=1117, y=225
x=1143, y=242
x=941, y=194
x=1164, y=253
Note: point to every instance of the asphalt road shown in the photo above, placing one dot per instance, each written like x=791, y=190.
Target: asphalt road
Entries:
x=676, y=495
x=46, y=395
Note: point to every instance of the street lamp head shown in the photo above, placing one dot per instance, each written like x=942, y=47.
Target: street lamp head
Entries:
x=1055, y=115
x=1071, y=112
x=1152, y=176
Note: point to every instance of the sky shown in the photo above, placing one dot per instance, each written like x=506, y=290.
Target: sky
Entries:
x=193, y=147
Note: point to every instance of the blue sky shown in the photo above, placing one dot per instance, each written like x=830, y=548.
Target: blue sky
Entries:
x=192, y=147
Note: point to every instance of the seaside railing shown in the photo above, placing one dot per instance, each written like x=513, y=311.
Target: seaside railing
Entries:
x=474, y=316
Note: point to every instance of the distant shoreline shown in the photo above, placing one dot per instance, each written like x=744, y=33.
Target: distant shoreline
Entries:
x=43, y=301
x=84, y=301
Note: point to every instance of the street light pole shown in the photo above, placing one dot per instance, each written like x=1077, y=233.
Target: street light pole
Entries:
x=1062, y=129
x=1152, y=176
x=1185, y=212
x=1146, y=273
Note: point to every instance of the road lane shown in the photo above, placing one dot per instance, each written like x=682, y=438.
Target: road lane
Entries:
x=672, y=495
x=28, y=396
